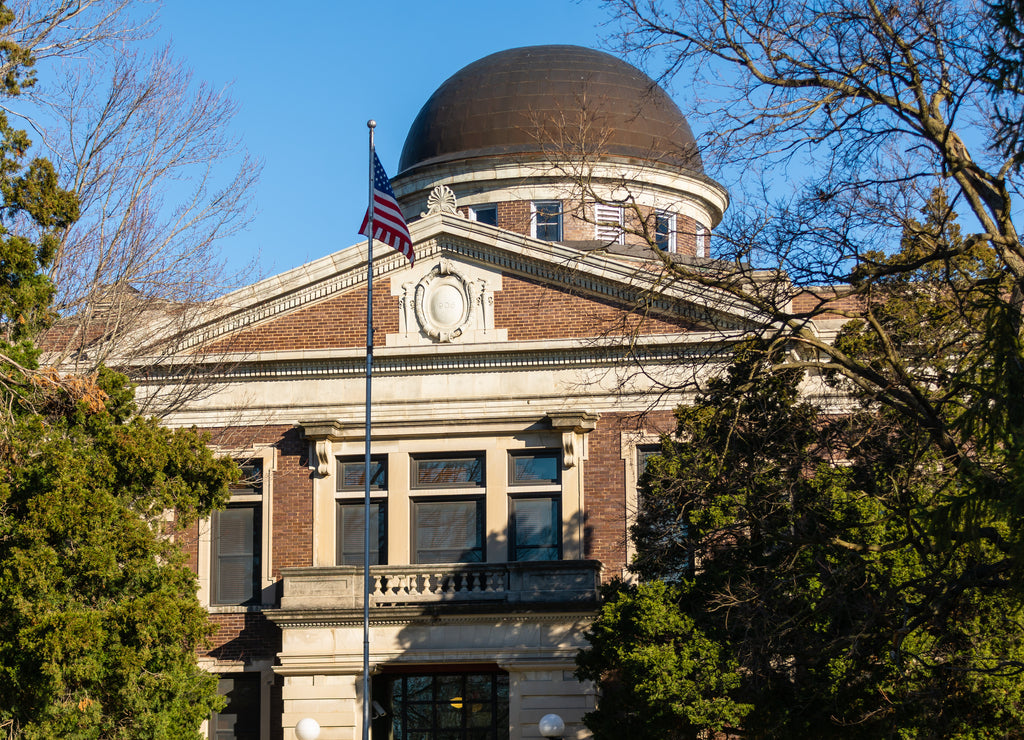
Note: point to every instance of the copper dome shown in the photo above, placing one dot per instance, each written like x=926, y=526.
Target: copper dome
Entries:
x=544, y=100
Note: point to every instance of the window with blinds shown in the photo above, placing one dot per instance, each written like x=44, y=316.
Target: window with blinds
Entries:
x=352, y=531
x=448, y=530
x=535, y=519
x=466, y=471
x=236, y=554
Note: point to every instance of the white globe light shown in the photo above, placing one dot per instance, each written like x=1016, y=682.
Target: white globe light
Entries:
x=307, y=729
x=551, y=725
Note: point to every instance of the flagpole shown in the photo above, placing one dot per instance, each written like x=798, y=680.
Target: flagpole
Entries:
x=371, y=124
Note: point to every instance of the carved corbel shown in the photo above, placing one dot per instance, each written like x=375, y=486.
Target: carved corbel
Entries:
x=321, y=435
x=574, y=426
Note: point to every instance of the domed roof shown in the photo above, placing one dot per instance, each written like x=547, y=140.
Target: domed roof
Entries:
x=522, y=101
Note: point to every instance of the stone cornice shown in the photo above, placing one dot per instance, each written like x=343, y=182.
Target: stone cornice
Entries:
x=666, y=349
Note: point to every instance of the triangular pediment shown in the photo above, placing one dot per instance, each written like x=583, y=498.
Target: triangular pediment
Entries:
x=488, y=273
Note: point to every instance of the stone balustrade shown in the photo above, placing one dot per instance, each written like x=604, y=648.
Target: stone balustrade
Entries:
x=525, y=584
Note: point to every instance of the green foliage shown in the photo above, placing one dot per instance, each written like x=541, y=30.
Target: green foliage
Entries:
x=857, y=574
x=34, y=211
x=669, y=680
x=99, y=620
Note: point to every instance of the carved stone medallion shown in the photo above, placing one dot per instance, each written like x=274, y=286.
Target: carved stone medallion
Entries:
x=444, y=301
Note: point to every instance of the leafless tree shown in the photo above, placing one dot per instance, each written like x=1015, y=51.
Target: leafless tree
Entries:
x=159, y=176
x=855, y=111
x=143, y=148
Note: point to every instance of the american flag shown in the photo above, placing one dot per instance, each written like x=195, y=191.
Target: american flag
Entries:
x=388, y=223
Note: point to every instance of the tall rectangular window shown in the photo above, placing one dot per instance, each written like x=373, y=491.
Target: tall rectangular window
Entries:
x=535, y=517
x=240, y=718
x=350, y=522
x=448, y=530
x=535, y=528
x=700, y=239
x=352, y=531
x=236, y=554
x=547, y=220
x=608, y=223
x=665, y=231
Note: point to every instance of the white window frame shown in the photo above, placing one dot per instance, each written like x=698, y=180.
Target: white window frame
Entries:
x=484, y=206
x=700, y=239
x=537, y=204
x=671, y=245
x=265, y=499
x=608, y=223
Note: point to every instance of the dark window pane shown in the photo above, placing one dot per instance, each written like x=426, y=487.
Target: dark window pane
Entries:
x=537, y=468
x=463, y=706
x=548, y=220
x=449, y=531
x=663, y=236
x=252, y=477
x=536, y=529
x=351, y=529
x=421, y=688
x=487, y=215
x=448, y=472
x=643, y=454
x=240, y=718
x=351, y=474
x=449, y=687
x=236, y=548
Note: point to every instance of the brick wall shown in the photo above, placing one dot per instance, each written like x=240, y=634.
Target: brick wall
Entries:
x=820, y=299
x=335, y=322
x=605, y=486
x=514, y=215
x=530, y=309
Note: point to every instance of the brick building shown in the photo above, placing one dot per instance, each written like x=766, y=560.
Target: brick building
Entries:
x=516, y=371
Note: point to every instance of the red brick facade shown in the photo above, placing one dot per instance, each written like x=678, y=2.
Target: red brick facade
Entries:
x=336, y=322
x=604, y=495
x=530, y=309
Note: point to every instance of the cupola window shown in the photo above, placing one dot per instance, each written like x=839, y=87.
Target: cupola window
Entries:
x=547, y=220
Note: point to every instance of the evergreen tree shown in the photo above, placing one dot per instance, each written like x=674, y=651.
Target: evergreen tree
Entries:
x=847, y=575
x=99, y=620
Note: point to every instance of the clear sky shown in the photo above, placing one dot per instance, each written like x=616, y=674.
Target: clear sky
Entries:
x=308, y=74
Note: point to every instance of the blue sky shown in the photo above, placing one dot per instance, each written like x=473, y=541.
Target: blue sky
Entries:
x=309, y=74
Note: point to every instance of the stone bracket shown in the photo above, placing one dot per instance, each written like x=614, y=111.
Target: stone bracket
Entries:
x=574, y=426
x=321, y=435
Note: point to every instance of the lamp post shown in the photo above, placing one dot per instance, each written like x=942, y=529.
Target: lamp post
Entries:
x=307, y=729
x=551, y=725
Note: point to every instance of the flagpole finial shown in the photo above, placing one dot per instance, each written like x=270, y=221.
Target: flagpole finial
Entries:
x=371, y=124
